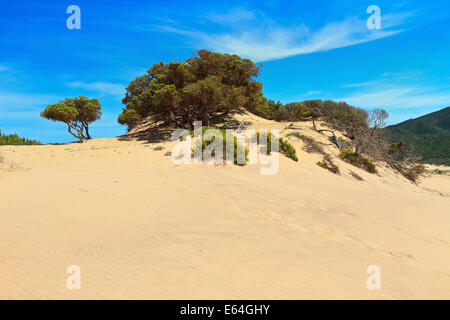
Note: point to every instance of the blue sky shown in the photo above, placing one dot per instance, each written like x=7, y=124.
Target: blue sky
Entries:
x=308, y=49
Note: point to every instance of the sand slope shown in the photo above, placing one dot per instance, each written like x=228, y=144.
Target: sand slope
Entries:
x=140, y=227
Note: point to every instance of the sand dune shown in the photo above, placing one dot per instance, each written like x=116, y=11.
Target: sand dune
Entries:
x=140, y=227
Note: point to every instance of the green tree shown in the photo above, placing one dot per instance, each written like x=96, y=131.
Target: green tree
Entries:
x=206, y=87
x=77, y=113
x=14, y=139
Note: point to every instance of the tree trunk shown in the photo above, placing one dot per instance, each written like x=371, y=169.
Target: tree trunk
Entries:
x=86, y=128
x=335, y=138
x=79, y=136
x=314, y=124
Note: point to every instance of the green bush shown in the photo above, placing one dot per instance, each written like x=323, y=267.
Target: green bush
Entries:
x=327, y=163
x=288, y=150
x=284, y=146
x=357, y=160
x=203, y=144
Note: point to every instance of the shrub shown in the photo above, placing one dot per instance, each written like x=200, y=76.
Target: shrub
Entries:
x=357, y=160
x=159, y=148
x=288, y=150
x=284, y=146
x=203, y=144
x=296, y=111
x=414, y=172
x=327, y=163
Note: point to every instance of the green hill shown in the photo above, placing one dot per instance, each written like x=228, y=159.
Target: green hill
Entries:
x=429, y=136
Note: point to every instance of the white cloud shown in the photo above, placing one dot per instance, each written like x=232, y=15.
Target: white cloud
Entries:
x=359, y=84
x=399, y=97
x=397, y=90
x=99, y=87
x=266, y=40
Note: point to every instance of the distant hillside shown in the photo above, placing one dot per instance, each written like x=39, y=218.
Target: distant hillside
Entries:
x=14, y=139
x=428, y=135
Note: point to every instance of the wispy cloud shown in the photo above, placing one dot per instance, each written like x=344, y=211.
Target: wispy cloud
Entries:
x=399, y=97
x=100, y=87
x=397, y=90
x=260, y=39
x=359, y=84
x=20, y=106
x=10, y=100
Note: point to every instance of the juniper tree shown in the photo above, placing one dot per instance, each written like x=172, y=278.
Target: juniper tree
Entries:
x=77, y=113
x=205, y=87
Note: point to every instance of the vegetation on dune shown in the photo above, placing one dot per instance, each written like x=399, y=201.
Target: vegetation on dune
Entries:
x=415, y=171
x=284, y=146
x=206, y=87
x=312, y=146
x=357, y=160
x=288, y=150
x=327, y=163
x=213, y=138
x=365, y=134
x=14, y=139
x=77, y=113
x=338, y=115
x=210, y=86
x=427, y=136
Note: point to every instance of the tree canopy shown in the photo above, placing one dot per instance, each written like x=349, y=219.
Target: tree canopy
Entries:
x=77, y=113
x=205, y=87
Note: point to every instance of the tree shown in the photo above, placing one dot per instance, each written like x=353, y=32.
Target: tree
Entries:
x=77, y=113
x=206, y=87
x=370, y=139
x=295, y=111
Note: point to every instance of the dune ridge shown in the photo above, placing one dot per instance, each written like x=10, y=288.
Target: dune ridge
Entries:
x=140, y=227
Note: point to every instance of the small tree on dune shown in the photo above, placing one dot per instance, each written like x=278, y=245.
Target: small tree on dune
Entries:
x=208, y=87
x=77, y=113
